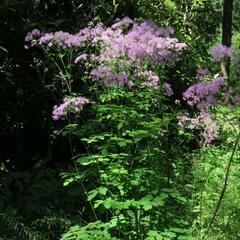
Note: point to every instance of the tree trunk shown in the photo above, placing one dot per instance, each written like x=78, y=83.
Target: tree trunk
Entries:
x=227, y=33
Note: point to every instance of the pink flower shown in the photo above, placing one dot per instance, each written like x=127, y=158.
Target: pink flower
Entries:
x=219, y=51
x=204, y=93
x=74, y=104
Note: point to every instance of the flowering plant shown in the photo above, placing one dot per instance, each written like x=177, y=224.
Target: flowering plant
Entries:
x=129, y=156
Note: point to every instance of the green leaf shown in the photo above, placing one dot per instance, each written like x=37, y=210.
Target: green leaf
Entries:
x=108, y=203
x=98, y=203
x=147, y=206
x=131, y=213
x=102, y=190
x=120, y=125
x=92, y=159
x=92, y=194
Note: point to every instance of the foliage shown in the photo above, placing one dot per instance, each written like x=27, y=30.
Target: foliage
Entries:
x=209, y=173
x=129, y=177
x=126, y=173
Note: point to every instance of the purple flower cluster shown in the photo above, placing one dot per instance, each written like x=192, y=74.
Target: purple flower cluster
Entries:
x=188, y=122
x=204, y=122
x=204, y=94
x=202, y=73
x=65, y=39
x=149, y=78
x=74, y=104
x=35, y=33
x=32, y=37
x=219, y=51
x=110, y=78
x=83, y=56
x=127, y=41
x=143, y=40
